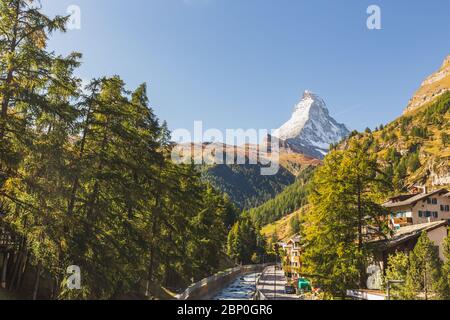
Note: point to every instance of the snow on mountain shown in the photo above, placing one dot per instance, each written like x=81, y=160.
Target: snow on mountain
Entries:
x=311, y=129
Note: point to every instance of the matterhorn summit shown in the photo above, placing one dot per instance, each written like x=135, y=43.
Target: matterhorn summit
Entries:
x=311, y=129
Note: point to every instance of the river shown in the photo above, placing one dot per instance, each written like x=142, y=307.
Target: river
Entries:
x=243, y=288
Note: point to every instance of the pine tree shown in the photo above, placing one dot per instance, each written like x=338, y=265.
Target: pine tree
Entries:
x=445, y=139
x=295, y=225
x=414, y=162
x=397, y=269
x=86, y=177
x=422, y=278
x=243, y=242
x=344, y=198
x=445, y=284
x=36, y=91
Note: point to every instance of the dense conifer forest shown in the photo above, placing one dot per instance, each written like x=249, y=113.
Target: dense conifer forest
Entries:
x=86, y=177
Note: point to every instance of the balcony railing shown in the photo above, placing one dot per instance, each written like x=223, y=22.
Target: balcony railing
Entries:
x=402, y=221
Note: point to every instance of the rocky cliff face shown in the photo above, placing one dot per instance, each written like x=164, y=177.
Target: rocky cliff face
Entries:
x=311, y=129
x=434, y=86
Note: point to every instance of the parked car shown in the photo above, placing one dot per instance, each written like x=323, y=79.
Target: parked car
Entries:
x=289, y=289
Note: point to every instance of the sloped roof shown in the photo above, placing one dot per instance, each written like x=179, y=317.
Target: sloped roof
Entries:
x=409, y=232
x=413, y=199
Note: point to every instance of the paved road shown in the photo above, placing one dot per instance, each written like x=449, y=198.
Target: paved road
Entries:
x=272, y=283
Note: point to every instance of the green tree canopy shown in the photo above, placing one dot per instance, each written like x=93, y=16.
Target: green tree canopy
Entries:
x=344, y=214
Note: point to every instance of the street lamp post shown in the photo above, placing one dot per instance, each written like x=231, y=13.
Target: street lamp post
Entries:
x=275, y=269
x=275, y=274
x=255, y=270
x=388, y=285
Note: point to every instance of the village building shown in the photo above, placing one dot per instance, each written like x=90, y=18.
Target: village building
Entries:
x=292, y=261
x=419, y=208
x=403, y=239
x=409, y=217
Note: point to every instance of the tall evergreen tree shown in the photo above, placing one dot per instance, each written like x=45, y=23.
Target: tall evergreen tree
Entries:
x=422, y=278
x=243, y=241
x=86, y=177
x=445, y=280
x=36, y=91
x=397, y=269
x=344, y=214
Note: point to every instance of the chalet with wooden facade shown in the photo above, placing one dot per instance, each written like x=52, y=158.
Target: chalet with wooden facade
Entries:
x=419, y=208
x=403, y=239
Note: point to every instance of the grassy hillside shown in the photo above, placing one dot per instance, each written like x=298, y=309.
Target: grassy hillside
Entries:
x=415, y=148
x=282, y=229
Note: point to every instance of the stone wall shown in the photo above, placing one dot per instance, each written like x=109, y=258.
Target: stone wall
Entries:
x=209, y=287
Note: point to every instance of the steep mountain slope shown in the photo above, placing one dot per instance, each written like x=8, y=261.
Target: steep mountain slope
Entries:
x=291, y=199
x=415, y=148
x=434, y=86
x=282, y=229
x=245, y=184
x=311, y=129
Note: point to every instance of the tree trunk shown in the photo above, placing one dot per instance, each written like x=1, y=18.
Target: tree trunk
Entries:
x=10, y=76
x=75, y=184
x=18, y=264
x=154, y=229
x=425, y=284
x=37, y=281
x=22, y=272
x=94, y=195
x=5, y=103
x=360, y=236
x=55, y=288
x=152, y=246
x=4, y=270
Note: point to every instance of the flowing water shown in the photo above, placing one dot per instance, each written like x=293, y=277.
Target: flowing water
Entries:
x=243, y=288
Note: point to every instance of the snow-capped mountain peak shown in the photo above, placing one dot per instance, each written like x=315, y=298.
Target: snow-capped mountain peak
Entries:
x=311, y=129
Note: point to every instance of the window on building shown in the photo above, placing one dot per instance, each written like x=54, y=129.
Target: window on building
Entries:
x=420, y=214
x=429, y=201
x=428, y=214
x=434, y=201
x=400, y=215
x=435, y=214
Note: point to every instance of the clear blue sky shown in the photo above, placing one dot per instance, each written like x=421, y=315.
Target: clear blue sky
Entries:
x=245, y=63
